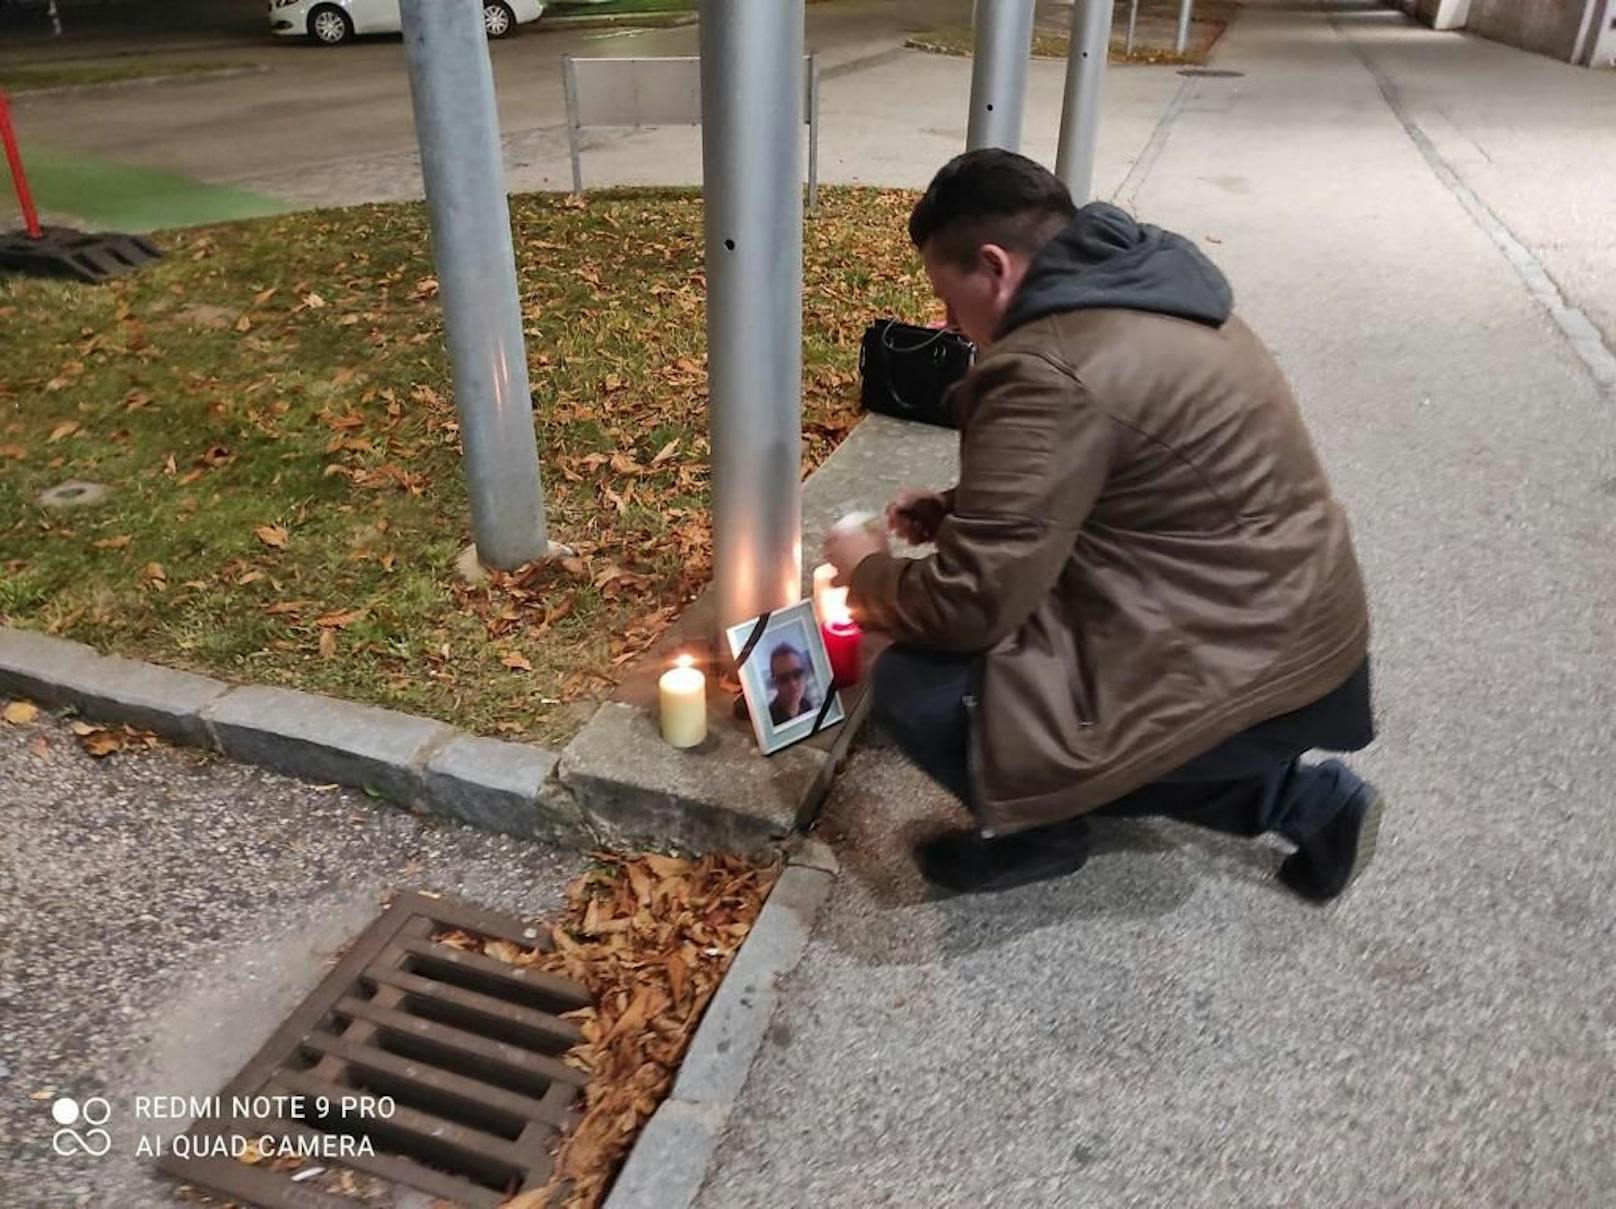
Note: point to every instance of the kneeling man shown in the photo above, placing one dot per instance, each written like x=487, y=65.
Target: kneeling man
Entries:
x=1143, y=598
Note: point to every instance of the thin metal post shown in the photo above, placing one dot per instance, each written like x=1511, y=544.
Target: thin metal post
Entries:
x=1133, y=24
x=813, y=132
x=751, y=112
x=1080, y=109
x=1184, y=9
x=999, y=73
x=569, y=85
x=55, y=19
x=452, y=91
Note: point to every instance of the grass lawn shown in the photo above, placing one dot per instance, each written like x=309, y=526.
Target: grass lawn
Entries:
x=25, y=77
x=1155, y=34
x=271, y=406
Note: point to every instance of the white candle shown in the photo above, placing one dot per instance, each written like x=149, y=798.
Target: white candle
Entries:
x=683, y=692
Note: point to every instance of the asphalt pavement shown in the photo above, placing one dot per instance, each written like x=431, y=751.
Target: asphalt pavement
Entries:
x=1168, y=1026
x=162, y=911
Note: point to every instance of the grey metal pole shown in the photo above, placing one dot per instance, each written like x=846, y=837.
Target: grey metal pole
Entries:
x=813, y=133
x=452, y=90
x=751, y=132
x=55, y=19
x=1184, y=9
x=1133, y=24
x=1080, y=109
x=569, y=86
x=999, y=73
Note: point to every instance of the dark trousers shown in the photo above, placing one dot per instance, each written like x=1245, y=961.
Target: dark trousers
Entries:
x=1249, y=785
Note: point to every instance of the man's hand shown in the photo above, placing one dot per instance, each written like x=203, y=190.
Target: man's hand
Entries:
x=845, y=549
x=916, y=515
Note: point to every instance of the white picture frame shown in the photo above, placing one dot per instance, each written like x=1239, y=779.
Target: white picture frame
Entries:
x=788, y=669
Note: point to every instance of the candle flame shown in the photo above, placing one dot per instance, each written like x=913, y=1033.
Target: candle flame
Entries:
x=833, y=605
x=685, y=661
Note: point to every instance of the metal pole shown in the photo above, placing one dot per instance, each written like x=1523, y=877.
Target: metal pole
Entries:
x=55, y=19
x=751, y=113
x=1184, y=8
x=999, y=73
x=1080, y=108
x=1133, y=23
x=569, y=85
x=452, y=90
x=813, y=133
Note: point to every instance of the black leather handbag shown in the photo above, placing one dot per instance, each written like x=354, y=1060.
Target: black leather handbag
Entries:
x=905, y=371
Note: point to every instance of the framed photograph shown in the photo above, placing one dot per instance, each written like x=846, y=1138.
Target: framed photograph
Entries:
x=785, y=676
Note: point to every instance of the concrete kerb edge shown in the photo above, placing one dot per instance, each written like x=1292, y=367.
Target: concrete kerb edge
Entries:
x=185, y=708
x=669, y=1161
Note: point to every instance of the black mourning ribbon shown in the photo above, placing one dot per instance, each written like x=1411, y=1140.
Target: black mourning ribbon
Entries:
x=750, y=645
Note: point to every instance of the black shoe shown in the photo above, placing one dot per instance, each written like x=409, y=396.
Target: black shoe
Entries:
x=965, y=862
x=1327, y=862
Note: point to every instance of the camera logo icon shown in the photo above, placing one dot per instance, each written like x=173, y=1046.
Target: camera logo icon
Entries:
x=94, y=1112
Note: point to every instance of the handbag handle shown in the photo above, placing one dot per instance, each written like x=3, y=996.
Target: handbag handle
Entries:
x=888, y=345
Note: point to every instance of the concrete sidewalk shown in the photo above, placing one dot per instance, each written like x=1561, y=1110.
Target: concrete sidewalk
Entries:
x=1168, y=1027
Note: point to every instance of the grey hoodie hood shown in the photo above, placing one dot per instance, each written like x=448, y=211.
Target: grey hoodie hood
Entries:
x=1106, y=259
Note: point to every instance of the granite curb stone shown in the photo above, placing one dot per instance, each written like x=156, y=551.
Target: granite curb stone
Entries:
x=61, y=673
x=489, y=783
x=323, y=739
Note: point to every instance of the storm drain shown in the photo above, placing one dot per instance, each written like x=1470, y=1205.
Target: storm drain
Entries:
x=414, y=1062
x=1211, y=73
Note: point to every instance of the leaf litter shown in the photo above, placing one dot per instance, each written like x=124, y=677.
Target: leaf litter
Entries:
x=650, y=937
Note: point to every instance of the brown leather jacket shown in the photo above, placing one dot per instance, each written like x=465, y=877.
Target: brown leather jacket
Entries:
x=1143, y=546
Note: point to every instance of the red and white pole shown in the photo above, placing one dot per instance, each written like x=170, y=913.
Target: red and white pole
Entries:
x=25, y=199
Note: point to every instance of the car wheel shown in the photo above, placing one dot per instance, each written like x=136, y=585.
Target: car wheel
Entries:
x=498, y=20
x=329, y=25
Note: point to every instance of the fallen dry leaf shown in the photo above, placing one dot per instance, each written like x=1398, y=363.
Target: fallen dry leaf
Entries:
x=539, y=1198
x=650, y=937
x=20, y=713
x=273, y=536
x=15, y=452
x=65, y=429
x=516, y=661
x=328, y=644
x=337, y=621
x=155, y=572
x=103, y=741
x=114, y=543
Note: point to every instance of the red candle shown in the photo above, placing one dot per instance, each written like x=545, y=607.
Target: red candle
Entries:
x=842, y=644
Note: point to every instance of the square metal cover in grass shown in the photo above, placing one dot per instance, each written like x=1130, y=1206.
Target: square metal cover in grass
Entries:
x=414, y=1062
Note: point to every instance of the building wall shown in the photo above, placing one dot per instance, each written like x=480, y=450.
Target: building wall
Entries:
x=1549, y=27
x=1602, y=38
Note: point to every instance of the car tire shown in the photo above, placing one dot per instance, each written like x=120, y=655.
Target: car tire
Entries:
x=329, y=26
x=498, y=19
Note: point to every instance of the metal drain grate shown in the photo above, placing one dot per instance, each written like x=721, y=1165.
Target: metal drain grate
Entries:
x=1211, y=73
x=466, y=1049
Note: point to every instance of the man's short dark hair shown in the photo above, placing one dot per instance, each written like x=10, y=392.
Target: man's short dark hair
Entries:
x=990, y=196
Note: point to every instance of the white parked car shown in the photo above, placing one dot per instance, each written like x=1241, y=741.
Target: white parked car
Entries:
x=332, y=22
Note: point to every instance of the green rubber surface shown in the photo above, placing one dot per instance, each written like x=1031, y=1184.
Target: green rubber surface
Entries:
x=106, y=195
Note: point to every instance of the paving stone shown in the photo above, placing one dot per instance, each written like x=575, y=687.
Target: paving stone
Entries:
x=489, y=783
x=39, y=667
x=323, y=739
